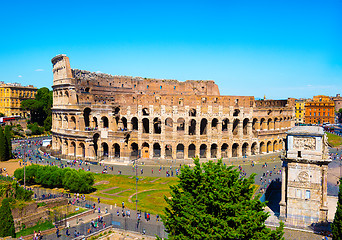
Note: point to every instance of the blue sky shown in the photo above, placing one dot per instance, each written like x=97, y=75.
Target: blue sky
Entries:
x=275, y=48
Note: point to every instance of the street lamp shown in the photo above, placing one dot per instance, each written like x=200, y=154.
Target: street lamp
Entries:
x=136, y=180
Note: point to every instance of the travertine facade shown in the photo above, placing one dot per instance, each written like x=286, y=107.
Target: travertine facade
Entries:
x=98, y=116
x=304, y=177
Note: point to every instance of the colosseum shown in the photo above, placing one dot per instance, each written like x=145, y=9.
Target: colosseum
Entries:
x=99, y=116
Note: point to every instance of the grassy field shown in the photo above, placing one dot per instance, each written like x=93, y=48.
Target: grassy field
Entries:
x=334, y=140
x=113, y=189
x=39, y=226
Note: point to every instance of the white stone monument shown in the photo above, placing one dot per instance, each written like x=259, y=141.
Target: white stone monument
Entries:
x=304, y=177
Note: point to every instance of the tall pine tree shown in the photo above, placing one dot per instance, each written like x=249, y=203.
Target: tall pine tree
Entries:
x=8, y=136
x=6, y=220
x=337, y=224
x=3, y=143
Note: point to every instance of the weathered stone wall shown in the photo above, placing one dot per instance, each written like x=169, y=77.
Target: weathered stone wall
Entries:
x=98, y=116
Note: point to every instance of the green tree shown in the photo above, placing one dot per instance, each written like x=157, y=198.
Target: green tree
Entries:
x=212, y=202
x=40, y=107
x=6, y=220
x=3, y=144
x=337, y=223
x=8, y=136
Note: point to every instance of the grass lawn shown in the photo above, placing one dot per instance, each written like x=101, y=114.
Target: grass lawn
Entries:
x=39, y=226
x=151, y=191
x=334, y=140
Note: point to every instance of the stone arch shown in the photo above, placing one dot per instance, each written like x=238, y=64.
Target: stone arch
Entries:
x=254, y=148
x=156, y=150
x=245, y=126
x=269, y=147
x=104, y=148
x=235, y=150
x=235, y=129
x=180, y=124
x=262, y=148
x=203, y=151
x=134, y=122
x=192, y=112
x=67, y=95
x=82, y=147
x=191, y=151
x=134, y=150
x=105, y=123
x=73, y=148
x=124, y=123
x=96, y=137
x=65, y=122
x=275, y=146
x=254, y=123
x=180, y=151
x=244, y=149
x=168, y=151
x=145, y=150
x=66, y=145
x=281, y=144
x=269, y=124
x=95, y=124
x=203, y=126
x=72, y=123
x=224, y=150
x=168, y=124
x=146, y=125
x=86, y=113
x=156, y=125
x=192, y=127
x=225, y=123
x=213, y=150
x=214, y=123
x=262, y=123
x=236, y=112
x=276, y=123
x=145, y=112
x=116, y=110
x=116, y=150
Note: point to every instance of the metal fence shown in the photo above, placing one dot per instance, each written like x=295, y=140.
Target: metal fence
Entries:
x=110, y=220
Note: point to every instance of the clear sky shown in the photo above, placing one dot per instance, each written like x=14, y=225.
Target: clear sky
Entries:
x=275, y=48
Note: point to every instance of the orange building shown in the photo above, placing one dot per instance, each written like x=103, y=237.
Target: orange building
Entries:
x=320, y=109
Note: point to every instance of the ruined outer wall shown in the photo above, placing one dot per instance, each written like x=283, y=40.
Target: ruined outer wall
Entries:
x=99, y=116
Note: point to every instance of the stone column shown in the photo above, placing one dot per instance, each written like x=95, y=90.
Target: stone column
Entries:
x=151, y=126
x=186, y=152
x=140, y=126
x=324, y=205
x=283, y=192
x=249, y=129
x=197, y=152
x=230, y=128
x=257, y=125
x=174, y=151
x=162, y=151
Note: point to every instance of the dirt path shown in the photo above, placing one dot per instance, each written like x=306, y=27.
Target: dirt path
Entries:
x=147, y=190
x=11, y=166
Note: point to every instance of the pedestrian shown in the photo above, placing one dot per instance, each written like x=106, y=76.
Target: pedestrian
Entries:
x=98, y=200
x=57, y=232
x=123, y=204
x=99, y=209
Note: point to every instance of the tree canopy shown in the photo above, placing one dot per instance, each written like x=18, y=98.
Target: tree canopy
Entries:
x=337, y=223
x=212, y=202
x=40, y=107
x=6, y=220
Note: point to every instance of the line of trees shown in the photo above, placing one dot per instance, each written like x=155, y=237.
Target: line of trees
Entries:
x=52, y=176
x=5, y=143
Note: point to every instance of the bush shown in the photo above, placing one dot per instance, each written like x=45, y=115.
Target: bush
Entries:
x=52, y=176
x=35, y=128
x=6, y=220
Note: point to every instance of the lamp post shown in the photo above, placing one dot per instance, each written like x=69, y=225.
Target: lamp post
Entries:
x=136, y=180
